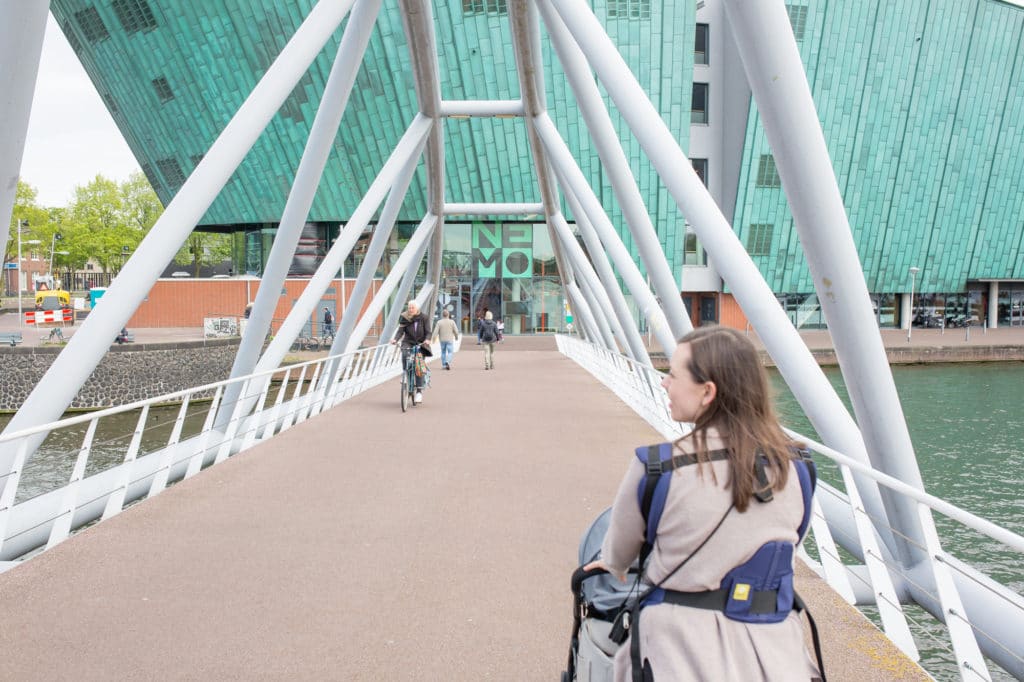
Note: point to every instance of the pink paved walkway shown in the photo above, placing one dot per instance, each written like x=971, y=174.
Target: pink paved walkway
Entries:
x=363, y=544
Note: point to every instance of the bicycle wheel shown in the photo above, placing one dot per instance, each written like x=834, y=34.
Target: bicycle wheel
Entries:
x=405, y=391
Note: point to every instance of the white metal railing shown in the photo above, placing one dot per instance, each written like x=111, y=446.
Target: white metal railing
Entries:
x=46, y=518
x=942, y=584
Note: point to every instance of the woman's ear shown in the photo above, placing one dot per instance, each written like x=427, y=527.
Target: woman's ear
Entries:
x=710, y=393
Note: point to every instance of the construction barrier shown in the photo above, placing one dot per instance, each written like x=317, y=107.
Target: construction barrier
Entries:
x=49, y=316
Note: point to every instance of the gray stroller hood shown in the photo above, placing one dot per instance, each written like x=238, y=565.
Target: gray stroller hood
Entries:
x=602, y=592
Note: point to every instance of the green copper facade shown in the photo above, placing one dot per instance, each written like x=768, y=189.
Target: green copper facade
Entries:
x=173, y=72
x=922, y=104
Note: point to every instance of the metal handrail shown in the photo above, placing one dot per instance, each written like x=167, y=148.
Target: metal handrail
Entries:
x=646, y=397
x=48, y=517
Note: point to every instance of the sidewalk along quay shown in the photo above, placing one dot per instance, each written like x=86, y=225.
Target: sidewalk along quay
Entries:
x=367, y=544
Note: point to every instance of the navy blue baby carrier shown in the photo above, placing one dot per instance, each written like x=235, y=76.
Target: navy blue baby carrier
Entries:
x=759, y=590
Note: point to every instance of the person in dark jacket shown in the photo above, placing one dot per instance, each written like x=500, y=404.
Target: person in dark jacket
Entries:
x=413, y=329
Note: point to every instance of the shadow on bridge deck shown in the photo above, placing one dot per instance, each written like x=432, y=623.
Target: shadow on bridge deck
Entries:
x=364, y=544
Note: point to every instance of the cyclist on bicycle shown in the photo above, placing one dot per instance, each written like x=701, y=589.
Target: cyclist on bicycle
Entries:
x=413, y=330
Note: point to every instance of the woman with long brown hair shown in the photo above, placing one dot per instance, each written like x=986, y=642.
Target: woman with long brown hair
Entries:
x=735, y=491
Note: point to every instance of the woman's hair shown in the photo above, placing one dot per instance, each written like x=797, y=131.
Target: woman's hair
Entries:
x=488, y=315
x=741, y=412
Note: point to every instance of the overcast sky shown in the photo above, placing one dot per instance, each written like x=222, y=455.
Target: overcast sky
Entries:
x=71, y=136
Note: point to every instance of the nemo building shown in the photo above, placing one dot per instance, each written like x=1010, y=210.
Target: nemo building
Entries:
x=920, y=103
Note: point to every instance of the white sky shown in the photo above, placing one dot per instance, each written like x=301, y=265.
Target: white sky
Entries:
x=71, y=136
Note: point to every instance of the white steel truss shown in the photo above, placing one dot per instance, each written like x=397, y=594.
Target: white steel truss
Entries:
x=895, y=533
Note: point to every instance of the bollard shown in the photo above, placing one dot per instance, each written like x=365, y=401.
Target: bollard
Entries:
x=968, y=337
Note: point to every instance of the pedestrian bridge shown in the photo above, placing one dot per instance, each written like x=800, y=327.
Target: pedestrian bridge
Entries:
x=358, y=542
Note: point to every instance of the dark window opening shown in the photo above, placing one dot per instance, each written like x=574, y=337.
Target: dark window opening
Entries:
x=629, y=9
x=73, y=40
x=92, y=25
x=767, y=174
x=163, y=89
x=111, y=104
x=171, y=171
x=699, y=108
x=700, y=50
x=701, y=167
x=484, y=7
x=759, y=240
x=134, y=15
x=797, y=19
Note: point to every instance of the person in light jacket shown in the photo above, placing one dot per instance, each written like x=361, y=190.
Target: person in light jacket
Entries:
x=447, y=332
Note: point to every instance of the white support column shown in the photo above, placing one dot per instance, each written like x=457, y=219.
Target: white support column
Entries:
x=22, y=27
x=811, y=388
x=504, y=108
x=775, y=72
x=575, y=183
x=584, y=314
x=493, y=209
x=906, y=311
x=75, y=364
x=372, y=258
x=307, y=178
x=617, y=308
x=615, y=164
x=401, y=297
x=406, y=149
x=602, y=283
x=993, y=305
x=418, y=21
x=586, y=282
x=408, y=262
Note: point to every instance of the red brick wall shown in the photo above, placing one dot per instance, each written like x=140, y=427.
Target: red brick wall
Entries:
x=729, y=312
x=185, y=302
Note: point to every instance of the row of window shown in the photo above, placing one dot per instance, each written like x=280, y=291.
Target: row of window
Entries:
x=134, y=16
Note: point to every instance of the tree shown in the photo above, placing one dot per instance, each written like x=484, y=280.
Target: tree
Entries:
x=204, y=248
x=25, y=208
x=140, y=203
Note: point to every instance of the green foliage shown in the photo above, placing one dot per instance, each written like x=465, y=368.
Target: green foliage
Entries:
x=204, y=248
x=36, y=218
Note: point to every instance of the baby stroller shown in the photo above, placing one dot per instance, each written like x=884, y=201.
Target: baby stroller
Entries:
x=597, y=600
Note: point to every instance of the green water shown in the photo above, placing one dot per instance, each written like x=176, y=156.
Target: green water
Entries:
x=966, y=422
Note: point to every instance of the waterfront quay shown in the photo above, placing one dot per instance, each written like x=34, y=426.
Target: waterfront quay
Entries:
x=368, y=544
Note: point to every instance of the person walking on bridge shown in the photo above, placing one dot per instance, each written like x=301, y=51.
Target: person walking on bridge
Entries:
x=488, y=336
x=413, y=330
x=447, y=332
x=737, y=485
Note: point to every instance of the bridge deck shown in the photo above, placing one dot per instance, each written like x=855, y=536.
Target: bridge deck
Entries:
x=365, y=544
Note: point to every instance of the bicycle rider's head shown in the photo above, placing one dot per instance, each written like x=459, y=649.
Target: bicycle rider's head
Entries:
x=413, y=309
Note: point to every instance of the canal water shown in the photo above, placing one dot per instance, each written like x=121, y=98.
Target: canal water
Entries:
x=966, y=422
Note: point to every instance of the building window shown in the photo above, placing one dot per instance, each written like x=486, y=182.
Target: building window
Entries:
x=699, y=108
x=171, y=171
x=767, y=174
x=92, y=25
x=195, y=159
x=701, y=167
x=797, y=19
x=73, y=40
x=700, y=50
x=484, y=7
x=629, y=9
x=163, y=89
x=693, y=253
x=759, y=240
x=111, y=104
x=134, y=15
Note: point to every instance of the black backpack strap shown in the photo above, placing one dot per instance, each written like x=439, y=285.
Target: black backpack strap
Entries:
x=800, y=606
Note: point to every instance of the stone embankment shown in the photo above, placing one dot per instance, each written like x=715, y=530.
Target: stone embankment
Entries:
x=126, y=373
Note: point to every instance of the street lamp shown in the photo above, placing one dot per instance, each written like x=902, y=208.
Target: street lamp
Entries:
x=913, y=277
x=57, y=237
x=22, y=224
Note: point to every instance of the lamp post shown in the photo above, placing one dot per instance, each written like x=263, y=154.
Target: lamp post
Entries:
x=21, y=225
x=910, y=322
x=57, y=236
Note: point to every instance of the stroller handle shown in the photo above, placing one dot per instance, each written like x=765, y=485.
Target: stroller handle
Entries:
x=580, y=574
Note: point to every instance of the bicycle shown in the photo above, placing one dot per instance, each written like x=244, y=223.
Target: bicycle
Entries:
x=409, y=377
